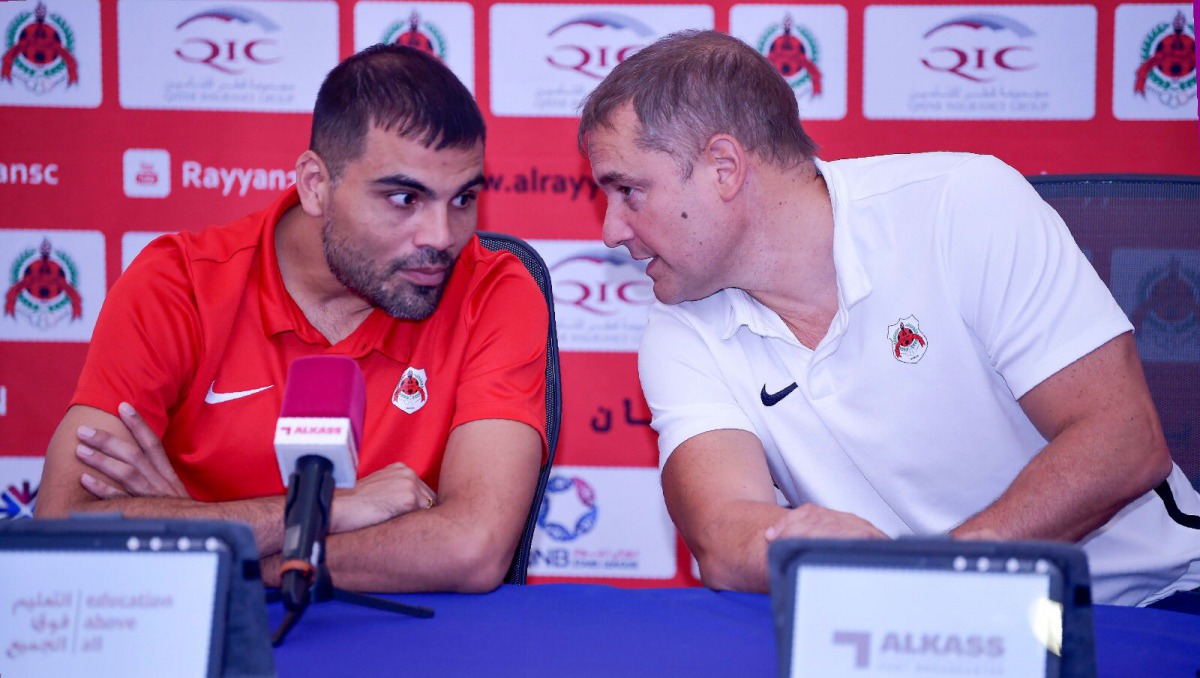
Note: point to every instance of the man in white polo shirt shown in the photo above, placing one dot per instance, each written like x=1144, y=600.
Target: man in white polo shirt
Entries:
x=899, y=345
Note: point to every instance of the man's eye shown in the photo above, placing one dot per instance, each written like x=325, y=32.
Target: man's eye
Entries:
x=624, y=190
x=403, y=199
x=463, y=200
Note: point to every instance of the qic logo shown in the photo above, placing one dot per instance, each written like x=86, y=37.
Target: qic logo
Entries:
x=593, y=44
x=213, y=40
x=977, y=61
x=601, y=282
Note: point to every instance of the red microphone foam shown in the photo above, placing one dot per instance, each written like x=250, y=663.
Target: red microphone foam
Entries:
x=326, y=386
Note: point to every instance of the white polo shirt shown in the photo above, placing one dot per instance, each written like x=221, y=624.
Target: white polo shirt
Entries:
x=959, y=290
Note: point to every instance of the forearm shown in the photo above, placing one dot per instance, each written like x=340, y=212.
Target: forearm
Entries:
x=1076, y=484
x=264, y=515
x=730, y=544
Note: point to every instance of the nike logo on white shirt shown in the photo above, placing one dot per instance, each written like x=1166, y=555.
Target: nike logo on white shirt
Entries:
x=214, y=398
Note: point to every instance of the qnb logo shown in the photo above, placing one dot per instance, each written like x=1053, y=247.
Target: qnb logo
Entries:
x=908, y=644
x=601, y=282
x=593, y=44
x=228, y=39
x=18, y=502
x=568, y=510
x=989, y=52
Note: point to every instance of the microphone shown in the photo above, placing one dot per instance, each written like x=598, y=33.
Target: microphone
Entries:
x=316, y=444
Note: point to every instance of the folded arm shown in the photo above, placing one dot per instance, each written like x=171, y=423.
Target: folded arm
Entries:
x=720, y=494
x=1106, y=449
x=129, y=473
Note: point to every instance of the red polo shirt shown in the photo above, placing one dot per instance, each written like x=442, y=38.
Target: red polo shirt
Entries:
x=198, y=334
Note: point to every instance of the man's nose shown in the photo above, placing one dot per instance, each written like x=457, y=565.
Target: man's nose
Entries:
x=434, y=229
x=614, y=231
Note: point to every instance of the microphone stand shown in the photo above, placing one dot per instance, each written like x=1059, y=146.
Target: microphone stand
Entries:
x=304, y=582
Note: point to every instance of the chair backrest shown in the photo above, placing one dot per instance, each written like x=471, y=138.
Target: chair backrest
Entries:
x=1142, y=234
x=537, y=268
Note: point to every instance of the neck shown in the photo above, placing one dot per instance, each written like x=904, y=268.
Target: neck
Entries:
x=331, y=308
x=787, y=264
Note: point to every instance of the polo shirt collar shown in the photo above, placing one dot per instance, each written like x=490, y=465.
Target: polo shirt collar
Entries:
x=853, y=283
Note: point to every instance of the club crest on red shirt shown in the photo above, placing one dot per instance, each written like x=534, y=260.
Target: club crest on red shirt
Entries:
x=908, y=342
x=410, y=394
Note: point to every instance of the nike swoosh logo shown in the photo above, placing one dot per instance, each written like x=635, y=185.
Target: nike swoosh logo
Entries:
x=214, y=398
x=770, y=399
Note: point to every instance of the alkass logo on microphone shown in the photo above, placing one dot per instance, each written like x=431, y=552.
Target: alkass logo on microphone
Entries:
x=248, y=56
x=546, y=58
x=978, y=62
x=602, y=296
x=443, y=29
x=50, y=53
x=807, y=45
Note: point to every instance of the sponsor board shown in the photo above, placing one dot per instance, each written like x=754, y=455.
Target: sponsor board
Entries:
x=146, y=173
x=443, y=29
x=602, y=296
x=221, y=56
x=1160, y=292
x=1154, y=63
x=133, y=242
x=53, y=284
x=807, y=45
x=50, y=54
x=234, y=180
x=19, y=480
x=29, y=173
x=604, y=522
x=546, y=58
x=980, y=62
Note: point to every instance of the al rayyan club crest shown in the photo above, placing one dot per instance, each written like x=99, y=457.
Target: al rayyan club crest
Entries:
x=43, y=287
x=411, y=394
x=794, y=55
x=1170, y=310
x=1169, y=62
x=39, y=51
x=907, y=340
x=417, y=34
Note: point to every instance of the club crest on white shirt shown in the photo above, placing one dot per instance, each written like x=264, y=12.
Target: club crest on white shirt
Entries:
x=907, y=340
x=410, y=394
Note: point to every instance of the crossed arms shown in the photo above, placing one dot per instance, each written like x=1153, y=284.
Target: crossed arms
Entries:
x=382, y=535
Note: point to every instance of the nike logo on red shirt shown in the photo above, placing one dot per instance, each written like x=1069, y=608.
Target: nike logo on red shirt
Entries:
x=214, y=398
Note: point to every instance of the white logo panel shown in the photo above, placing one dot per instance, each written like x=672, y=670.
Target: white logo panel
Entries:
x=1154, y=63
x=53, y=283
x=979, y=62
x=604, y=522
x=132, y=244
x=807, y=45
x=245, y=56
x=602, y=296
x=146, y=172
x=444, y=29
x=51, y=54
x=546, y=58
x=19, y=481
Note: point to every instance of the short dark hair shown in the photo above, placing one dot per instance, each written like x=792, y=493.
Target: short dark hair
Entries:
x=691, y=85
x=395, y=88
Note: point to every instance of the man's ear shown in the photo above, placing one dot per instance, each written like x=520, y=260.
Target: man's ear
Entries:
x=727, y=162
x=313, y=183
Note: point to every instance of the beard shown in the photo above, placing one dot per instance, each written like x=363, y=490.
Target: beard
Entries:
x=378, y=283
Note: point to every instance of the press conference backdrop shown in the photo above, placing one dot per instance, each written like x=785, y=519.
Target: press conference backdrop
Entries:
x=123, y=119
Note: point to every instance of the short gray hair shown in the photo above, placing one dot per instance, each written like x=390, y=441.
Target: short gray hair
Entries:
x=691, y=85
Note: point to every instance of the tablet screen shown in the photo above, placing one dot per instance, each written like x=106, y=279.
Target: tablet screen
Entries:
x=947, y=617
x=111, y=610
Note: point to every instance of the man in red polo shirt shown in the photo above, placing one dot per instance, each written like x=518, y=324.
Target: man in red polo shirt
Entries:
x=371, y=255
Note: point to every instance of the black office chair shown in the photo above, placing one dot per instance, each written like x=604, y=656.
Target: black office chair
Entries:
x=1142, y=234
x=537, y=268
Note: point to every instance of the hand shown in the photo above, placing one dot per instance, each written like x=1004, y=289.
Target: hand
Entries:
x=140, y=469
x=817, y=522
x=269, y=567
x=389, y=492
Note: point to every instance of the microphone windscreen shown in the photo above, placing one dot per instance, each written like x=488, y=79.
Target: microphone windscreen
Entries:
x=326, y=386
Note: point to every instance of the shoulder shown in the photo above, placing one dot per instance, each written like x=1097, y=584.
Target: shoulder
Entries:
x=179, y=252
x=494, y=282
x=864, y=178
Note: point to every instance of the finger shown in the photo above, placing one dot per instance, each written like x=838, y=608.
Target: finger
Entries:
x=130, y=479
x=100, y=488
x=152, y=446
x=133, y=457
